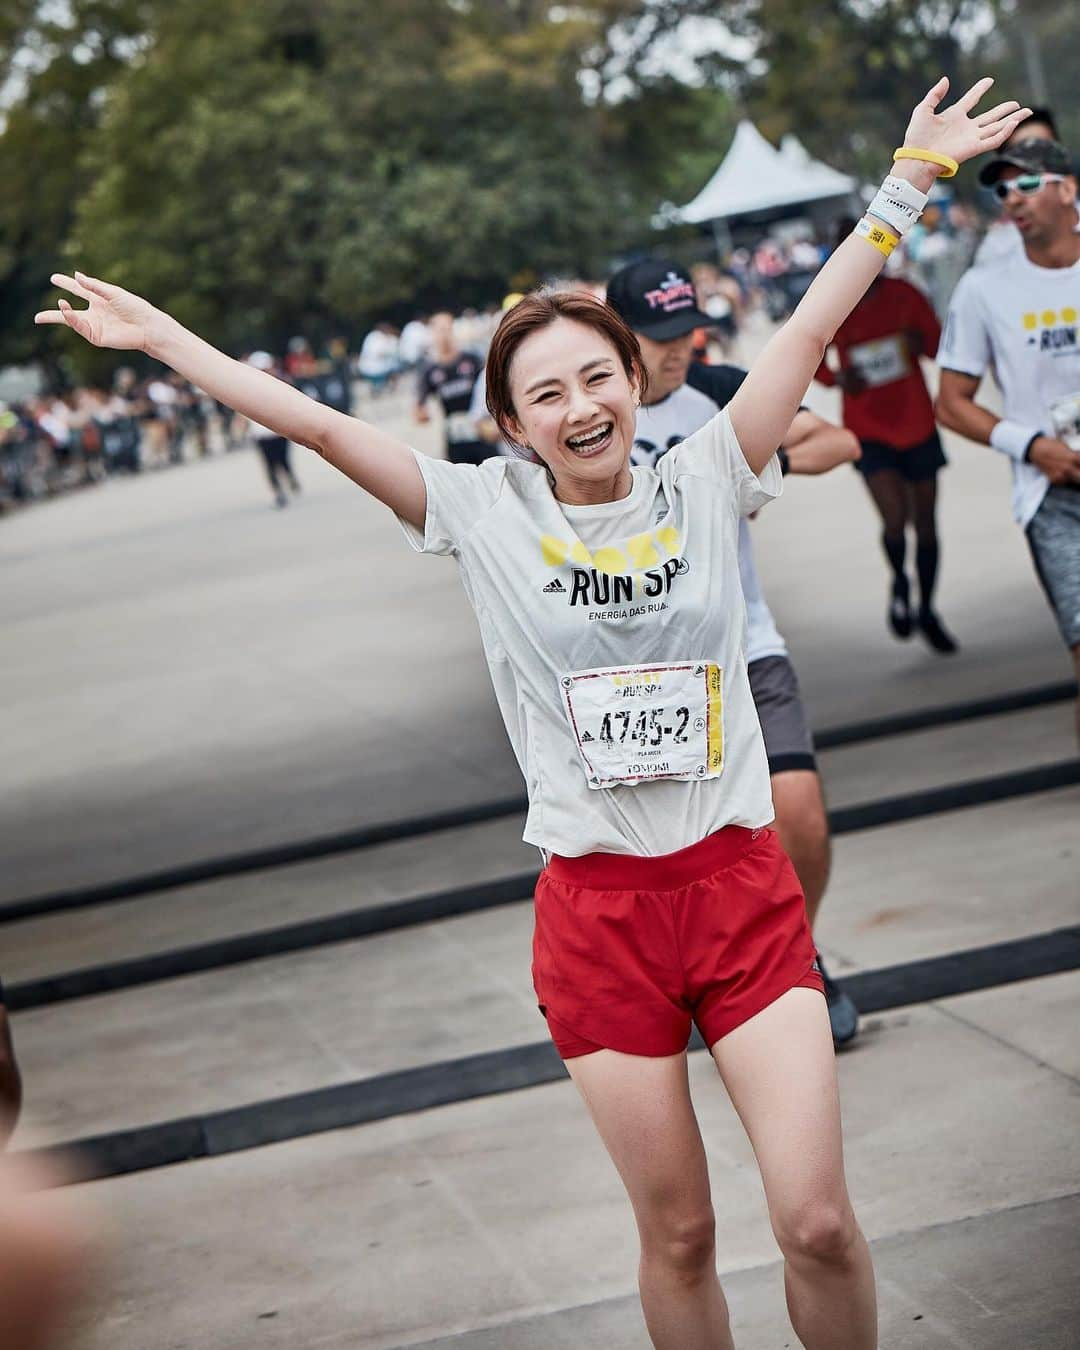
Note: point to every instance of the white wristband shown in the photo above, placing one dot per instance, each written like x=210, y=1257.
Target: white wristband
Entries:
x=898, y=203
x=1013, y=439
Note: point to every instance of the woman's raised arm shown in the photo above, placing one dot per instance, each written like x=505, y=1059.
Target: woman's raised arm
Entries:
x=380, y=464
x=769, y=397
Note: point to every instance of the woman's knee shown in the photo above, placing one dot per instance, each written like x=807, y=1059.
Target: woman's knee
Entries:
x=684, y=1242
x=820, y=1231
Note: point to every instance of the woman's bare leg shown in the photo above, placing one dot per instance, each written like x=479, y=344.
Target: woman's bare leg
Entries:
x=642, y=1108
x=780, y=1071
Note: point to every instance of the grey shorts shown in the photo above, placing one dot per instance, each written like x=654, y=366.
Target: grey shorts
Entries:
x=788, y=740
x=1054, y=538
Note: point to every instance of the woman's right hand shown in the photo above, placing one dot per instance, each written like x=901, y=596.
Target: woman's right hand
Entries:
x=114, y=317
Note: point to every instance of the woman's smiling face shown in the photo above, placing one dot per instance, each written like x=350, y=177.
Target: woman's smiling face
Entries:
x=576, y=407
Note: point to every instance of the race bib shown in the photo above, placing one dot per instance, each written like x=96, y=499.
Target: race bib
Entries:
x=635, y=723
x=881, y=361
x=1065, y=414
x=460, y=427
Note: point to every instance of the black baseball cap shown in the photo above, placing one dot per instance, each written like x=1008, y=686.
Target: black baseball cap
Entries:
x=657, y=299
x=1034, y=156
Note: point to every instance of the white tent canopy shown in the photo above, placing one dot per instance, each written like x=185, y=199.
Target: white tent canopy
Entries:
x=755, y=176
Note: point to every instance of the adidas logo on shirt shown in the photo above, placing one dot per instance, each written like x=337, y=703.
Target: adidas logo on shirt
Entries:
x=554, y=587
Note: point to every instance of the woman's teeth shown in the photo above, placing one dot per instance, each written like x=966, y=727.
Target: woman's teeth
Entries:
x=590, y=440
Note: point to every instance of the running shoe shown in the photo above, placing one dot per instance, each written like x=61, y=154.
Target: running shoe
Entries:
x=843, y=1014
x=934, y=631
x=899, y=610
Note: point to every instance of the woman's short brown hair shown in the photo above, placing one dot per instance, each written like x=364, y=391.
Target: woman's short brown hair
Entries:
x=537, y=311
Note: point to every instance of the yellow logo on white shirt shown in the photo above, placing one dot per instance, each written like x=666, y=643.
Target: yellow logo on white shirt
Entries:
x=1051, y=329
x=636, y=554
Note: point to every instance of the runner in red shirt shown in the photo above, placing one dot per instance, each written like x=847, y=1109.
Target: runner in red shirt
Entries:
x=888, y=406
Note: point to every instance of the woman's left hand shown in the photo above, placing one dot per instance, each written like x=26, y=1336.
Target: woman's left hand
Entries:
x=953, y=132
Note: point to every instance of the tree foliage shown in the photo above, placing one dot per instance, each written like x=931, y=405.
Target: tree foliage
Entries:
x=261, y=169
x=58, y=70
x=258, y=169
x=843, y=75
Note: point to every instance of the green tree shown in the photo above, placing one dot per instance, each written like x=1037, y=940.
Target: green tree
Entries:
x=844, y=75
x=254, y=172
x=60, y=62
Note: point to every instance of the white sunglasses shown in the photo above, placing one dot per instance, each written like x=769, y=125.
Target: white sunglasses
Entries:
x=1027, y=184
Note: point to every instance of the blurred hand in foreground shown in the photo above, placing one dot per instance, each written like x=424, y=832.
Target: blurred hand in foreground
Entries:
x=44, y=1255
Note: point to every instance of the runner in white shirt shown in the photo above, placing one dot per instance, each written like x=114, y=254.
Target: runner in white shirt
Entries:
x=612, y=616
x=682, y=397
x=1023, y=320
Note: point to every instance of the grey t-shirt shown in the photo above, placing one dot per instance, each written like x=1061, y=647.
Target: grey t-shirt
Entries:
x=573, y=593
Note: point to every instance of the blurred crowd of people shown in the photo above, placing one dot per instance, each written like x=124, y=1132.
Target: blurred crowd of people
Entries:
x=55, y=441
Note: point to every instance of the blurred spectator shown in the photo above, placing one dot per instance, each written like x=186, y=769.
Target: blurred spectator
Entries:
x=191, y=417
x=939, y=254
x=51, y=416
x=300, y=359
x=337, y=377
x=469, y=331
x=451, y=376
x=414, y=344
x=380, y=358
x=720, y=296
x=159, y=416
x=273, y=448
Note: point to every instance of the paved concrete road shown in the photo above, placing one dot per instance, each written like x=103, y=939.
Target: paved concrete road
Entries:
x=189, y=672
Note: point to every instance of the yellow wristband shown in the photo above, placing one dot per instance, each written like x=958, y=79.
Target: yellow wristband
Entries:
x=949, y=166
x=877, y=235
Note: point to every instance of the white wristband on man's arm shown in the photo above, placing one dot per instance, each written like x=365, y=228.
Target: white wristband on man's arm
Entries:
x=1013, y=439
x=898, y=203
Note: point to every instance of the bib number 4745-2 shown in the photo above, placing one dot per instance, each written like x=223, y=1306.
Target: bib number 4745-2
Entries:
x=635, y=723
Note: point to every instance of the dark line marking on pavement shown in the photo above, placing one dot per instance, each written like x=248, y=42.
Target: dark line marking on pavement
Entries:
x=899, y=724
x=294, y=937
x=386, y=918
x=213, y=869
x=955, y=797
x=509, y=1070
x=367, y=836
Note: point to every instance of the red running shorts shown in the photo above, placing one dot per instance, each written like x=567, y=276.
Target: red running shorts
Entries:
x=628, y=951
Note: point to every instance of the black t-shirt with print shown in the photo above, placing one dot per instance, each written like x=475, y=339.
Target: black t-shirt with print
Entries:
x=451, y=382
x=720, y=383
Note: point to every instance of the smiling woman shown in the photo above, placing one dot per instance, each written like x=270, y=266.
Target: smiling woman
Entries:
x=564, y=377
x=612, y=617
